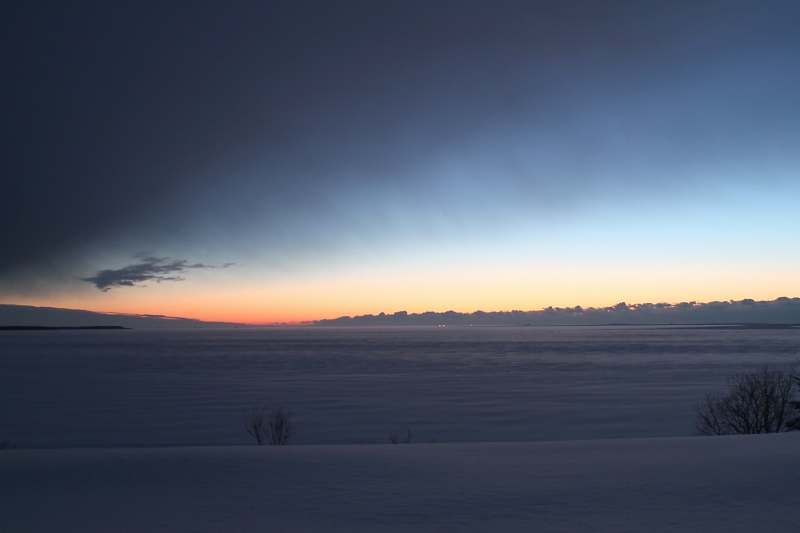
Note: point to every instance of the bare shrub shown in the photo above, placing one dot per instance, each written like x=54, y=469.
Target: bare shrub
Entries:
x=758, y=402
x=269, y=426
x=397, y=438
x=254, y=423
x=794, y=422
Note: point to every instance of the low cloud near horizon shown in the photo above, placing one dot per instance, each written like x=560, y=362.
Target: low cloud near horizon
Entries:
x=779, y=311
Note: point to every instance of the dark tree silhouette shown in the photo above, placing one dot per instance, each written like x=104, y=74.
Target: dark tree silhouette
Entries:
x=254, y=423
x=758, y=402
x=273, y=427
x=794, y=422
x=396, y=438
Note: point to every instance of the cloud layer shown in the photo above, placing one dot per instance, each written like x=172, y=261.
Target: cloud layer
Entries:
x=305, y=123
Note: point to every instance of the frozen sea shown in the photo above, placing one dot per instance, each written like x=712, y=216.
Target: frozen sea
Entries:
x=159, y=388
x=568, y=429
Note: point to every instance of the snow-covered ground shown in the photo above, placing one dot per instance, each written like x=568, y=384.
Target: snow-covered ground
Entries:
x=745, y=483
x=536, y=429
x=124, y=389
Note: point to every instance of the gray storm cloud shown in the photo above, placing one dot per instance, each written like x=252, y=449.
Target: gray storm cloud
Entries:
x=157, y=269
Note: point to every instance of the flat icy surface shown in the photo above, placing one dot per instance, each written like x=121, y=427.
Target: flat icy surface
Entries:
x=536, y=429
x=64, y=389
x=704, y=484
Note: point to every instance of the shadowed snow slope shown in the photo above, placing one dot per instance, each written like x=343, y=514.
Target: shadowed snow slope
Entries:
x=727, y=484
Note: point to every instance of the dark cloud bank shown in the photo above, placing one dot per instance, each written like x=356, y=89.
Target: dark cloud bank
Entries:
x=779, y=311
x=122, y=119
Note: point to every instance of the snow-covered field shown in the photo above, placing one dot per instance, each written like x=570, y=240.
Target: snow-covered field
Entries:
x=534, y=429
x=724, y=484
x=348, y=386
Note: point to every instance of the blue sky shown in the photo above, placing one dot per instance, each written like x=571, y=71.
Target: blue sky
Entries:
x=364, y=157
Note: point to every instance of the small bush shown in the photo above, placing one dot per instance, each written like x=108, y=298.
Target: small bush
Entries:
x=794, y=422
x=397, y=438
x=758, y=402
x=269, y=426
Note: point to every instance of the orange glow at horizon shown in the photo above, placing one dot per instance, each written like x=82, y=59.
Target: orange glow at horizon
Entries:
x=296, y=301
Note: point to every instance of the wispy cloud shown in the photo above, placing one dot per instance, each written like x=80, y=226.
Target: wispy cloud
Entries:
x=150, y=268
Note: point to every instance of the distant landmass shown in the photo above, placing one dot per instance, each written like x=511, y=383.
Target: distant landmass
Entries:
x=51, y=328
x=782, y=311
x=18, y=316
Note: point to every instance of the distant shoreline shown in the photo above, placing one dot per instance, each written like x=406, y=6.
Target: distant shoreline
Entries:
x=782, y=310
x=731, y=326
x=50, y=328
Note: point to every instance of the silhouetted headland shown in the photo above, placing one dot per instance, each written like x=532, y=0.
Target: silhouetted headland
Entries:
x=50, y=328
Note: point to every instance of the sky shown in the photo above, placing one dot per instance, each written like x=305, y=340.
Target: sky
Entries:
x=285, y=161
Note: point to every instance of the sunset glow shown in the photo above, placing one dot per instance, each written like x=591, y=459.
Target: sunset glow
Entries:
x=332, y=161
